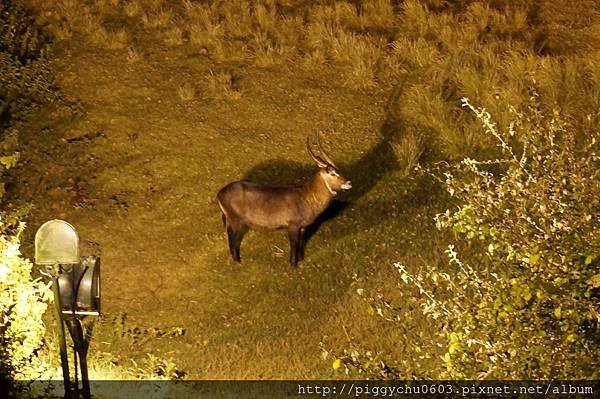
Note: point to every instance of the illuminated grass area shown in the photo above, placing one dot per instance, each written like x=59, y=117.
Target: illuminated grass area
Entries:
x=161, y=103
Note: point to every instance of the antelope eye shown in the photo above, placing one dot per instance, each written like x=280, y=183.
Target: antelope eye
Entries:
x=332, y=171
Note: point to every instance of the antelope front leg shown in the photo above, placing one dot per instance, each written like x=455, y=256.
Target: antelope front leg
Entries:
x=301, y=244
x=294, y=236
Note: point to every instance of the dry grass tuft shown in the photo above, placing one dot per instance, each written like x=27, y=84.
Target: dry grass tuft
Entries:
x=157, y=18
x=63, y=31
x=69, y=10
x=266, y=51
x=99, y=36
x=174, y=36
x=222, y=85
x=154, y=5
x=132, y=8
x=378, y=14
x=118, y=39
x=339, y=15
x=266, y=18
x=186, y=91
x=104, y=7
x=238, y=15
x=359, y=56
x=408, y=151
x=133, y=55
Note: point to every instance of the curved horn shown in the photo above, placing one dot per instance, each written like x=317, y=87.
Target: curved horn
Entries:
x=318, y=160
x=323, y=153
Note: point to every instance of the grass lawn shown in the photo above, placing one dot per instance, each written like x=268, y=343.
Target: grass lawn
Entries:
x=162, y=103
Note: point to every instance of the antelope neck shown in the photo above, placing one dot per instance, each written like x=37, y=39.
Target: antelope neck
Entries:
x=315, y=192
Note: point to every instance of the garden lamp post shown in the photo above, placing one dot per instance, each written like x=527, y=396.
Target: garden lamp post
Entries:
x=76, y=288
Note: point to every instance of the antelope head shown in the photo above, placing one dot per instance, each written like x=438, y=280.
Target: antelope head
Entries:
x=329, y=173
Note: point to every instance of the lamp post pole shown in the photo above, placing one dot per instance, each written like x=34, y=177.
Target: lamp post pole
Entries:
x=62, y=343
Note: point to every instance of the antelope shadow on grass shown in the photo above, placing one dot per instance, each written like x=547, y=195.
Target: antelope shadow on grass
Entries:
x=364, y=173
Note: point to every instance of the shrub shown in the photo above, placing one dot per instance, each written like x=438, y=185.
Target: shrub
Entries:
x=525, y=304
x=25, y=81
x=535, y=212
x=23, y=301
x=19, y=36
x=24, y=76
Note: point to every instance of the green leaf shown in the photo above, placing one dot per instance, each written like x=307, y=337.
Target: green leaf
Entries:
x=454, y=347
x=594, y=281
x=558, y=313
x=560, y=281
x=589, y=259
x=540, y=294
x=540, y=333
x=534, y=259
x=9, y=160
x=571, y=338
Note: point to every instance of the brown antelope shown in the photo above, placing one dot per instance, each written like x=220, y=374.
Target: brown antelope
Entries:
x=250, y=205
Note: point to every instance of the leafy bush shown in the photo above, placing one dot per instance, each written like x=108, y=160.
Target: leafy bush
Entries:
x=25, y=78
x=23, y=300
x=24, y=81
x=538, y=294
x=19, y=36
x=526, y=304
x=22, y=304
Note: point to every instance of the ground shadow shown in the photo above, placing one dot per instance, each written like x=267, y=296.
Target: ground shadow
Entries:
x=364, y=172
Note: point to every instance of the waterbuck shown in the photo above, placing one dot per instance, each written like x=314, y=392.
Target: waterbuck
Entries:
x=247, y=205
